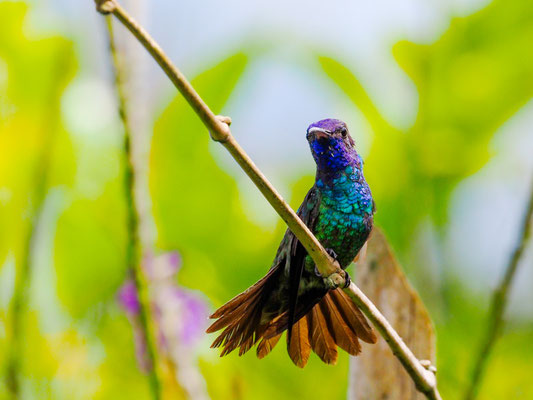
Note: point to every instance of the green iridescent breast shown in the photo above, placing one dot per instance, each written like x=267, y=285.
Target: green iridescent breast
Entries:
x=345, y=214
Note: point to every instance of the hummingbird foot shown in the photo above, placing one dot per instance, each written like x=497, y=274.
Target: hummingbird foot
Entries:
x=337, y=279
x=332, y=254
x=347, y=280
x=340, y=278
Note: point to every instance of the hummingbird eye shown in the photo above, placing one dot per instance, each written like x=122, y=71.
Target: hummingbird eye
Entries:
x=343, y=131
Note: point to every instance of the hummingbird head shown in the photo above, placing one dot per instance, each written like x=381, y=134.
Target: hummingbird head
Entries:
x=332, y=146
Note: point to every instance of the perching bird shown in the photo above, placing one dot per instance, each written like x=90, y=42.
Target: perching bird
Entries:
x=339, y=211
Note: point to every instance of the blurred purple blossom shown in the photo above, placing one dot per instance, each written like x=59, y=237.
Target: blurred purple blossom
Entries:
x=195, y=314
x=129, y=300
x=181, y=315
x=127, y=297
x=162, y=267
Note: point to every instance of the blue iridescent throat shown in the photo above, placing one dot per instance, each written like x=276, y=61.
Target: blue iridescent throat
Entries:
x=340, y=178
x=331, y=156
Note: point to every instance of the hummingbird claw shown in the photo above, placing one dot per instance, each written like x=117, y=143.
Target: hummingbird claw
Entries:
x=332, y=253
x=347, y=279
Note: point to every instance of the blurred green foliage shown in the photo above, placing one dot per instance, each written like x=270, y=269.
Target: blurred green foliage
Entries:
x=33, y=75
x=471, y=80
x=36, y=154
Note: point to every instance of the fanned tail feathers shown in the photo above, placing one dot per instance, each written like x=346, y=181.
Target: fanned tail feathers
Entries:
x=320, y=335
x=342, y=334
x=299, y=347
x=241, y=317
x=265, y=346
x=353, y=316
x=334, y=321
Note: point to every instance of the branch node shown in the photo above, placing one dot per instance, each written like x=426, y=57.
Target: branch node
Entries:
x=224, y=119
x=105, y=6
x=427, y=365
x=223, y=133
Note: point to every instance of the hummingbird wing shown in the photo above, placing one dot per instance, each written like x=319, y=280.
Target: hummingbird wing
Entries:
x=246, y=317
x=308, y=213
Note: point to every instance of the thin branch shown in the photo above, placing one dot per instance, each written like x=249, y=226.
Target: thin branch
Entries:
x=424, y=380
x=499, y=302
x=133, y=251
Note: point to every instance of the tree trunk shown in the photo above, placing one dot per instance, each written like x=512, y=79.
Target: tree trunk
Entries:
x=376, y=374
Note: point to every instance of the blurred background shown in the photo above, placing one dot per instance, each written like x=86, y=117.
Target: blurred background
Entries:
x=437, y=95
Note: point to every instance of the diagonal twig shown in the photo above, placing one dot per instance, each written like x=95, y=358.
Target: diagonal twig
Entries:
x=499, y=301
x=218, y=127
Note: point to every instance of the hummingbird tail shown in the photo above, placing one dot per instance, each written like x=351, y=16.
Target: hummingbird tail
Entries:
x=321, y=325
x=241, y=317
x=334, y=321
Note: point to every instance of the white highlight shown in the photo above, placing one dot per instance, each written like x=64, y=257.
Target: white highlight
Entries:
x=317, y=129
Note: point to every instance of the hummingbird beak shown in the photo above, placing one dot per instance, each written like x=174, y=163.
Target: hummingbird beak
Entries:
x=317, y=133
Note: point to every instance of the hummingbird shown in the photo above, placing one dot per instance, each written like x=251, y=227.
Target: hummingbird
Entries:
x=293, y=296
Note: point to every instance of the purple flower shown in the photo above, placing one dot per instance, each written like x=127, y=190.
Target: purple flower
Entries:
x=194, y=318
x=161, y=267
x=181, y=315
x=128, y=299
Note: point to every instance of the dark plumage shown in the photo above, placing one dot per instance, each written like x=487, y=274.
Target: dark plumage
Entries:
x=339, y=210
